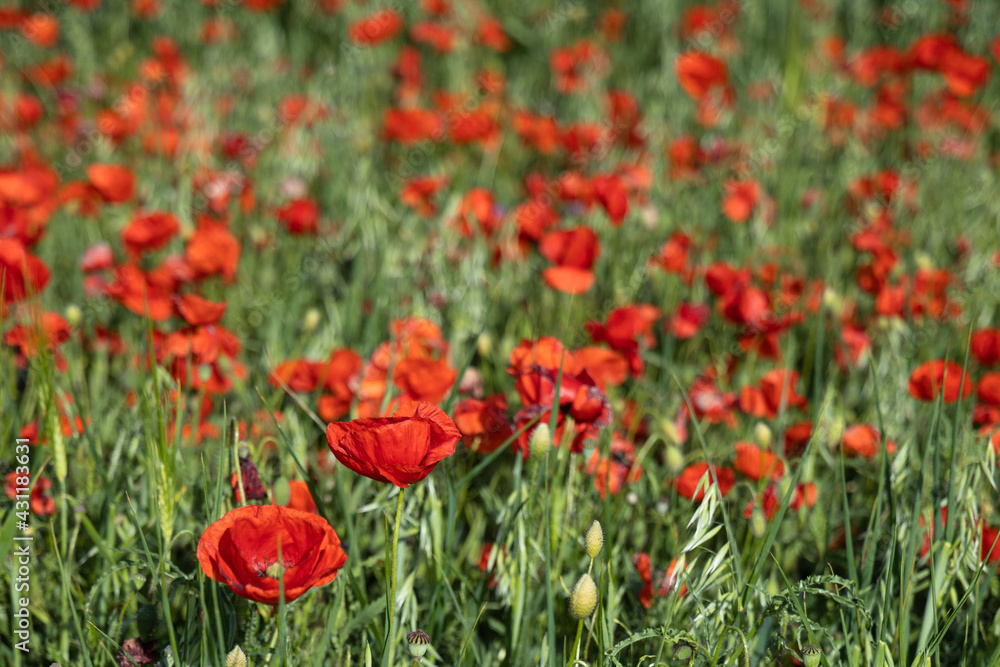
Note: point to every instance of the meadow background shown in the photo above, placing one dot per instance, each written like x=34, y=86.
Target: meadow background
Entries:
x=748, y=234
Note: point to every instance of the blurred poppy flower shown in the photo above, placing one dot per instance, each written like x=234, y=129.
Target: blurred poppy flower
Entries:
x=114, y=183
x=149, y=231
x=740, y=199
x=22, y=273
x=197, y=311
x=380, y=27
x=424, y=379
x=613, y=472
x=299, y=497
x=483, y=424
x=300, y=217
x=213, y=250
x=864, y=440
x=40, y=503
x=401, y=450
x=241, y=551
x=927, y=380
x=688, y=319
x=985, y=346
x=756, y=463
x=491, y=34
x=688, y=480
x=574, y=251
x=700, y=73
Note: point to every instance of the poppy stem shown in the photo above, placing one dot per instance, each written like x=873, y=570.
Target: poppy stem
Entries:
x=390, y=644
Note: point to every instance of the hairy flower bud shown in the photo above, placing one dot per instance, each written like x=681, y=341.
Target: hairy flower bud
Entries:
x=540, y=441
x=583, y=599
x=594, y=541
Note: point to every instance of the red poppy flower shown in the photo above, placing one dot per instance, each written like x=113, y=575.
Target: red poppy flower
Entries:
x=299, y=497
x=213, y=250
x=687, y=481
x=114, y=183
x=491, y=34
x=688, y=319
x=985, y=346
x=40, y=503
x=864, y=440
x=612, y=196
x=755, y=462
x=300, y=217
x=197, y=311
x=989, y=389
x=380, y=27
x=483, y=424
x=241, y=551
x=424, y=379
x=149, y=231
x=740, y=200
x=22, y=273
x=606, y=367
x=698, y=73
x=400, y=450
x=927, y=380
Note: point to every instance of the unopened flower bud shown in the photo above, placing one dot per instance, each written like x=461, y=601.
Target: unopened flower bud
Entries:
x=311, y=320
x=675, y=458
x=540, y=441
x=236, y=658
x=758, y=522
x=484, y=345
x=74, y=315
x=670, y=432
x=418, y=641
x=594, y=541
x=762, y=433
x=811, y=655
x=583, y=599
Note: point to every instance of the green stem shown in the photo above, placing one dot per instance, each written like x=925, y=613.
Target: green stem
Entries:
x=575, y=653
x=390, y=644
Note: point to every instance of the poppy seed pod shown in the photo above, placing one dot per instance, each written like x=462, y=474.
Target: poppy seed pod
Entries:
x=541, y=440
x=594, y=541
x=418, y=641
x=583, y=599
x=811, y=655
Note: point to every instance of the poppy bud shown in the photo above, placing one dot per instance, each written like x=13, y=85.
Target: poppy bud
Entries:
x=74, y=315
x=594, y=540
x=811, y=655
x=541, y=440
x=236, y=658
x=583, y=599
x=833, y=301
x=758, y=522
x=311, y=320
x=484, y=345
x=762, y=434
x=675, y=459
x=670, y=432
x=418, y=642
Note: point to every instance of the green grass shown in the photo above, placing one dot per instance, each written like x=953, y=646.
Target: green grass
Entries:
x=133, y=493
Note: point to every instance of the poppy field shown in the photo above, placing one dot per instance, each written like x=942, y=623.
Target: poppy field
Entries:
x=465, y=332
